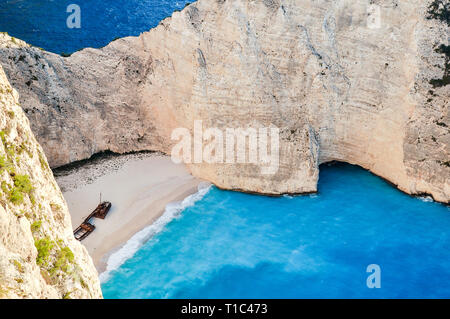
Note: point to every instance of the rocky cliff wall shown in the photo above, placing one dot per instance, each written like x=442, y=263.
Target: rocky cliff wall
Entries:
x=39, y=257
x=338, y=84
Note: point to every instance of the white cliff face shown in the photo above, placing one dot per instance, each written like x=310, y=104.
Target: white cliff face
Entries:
x=39, y=257
x=338, y=86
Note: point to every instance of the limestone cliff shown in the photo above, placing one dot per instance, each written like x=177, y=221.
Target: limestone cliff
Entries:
x=339, y=85
x=39, y=257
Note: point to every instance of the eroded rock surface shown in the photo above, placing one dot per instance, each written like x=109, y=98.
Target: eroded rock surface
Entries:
x=339, y=86
x=39, y=257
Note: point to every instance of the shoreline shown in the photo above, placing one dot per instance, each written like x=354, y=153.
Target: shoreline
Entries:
x=115, y=258
x=102, y=254
x=147, y=182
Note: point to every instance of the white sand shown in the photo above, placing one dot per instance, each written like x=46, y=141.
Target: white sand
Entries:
x=139, y=188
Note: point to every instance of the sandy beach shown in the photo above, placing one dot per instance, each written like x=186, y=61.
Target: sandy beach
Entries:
x=139, y=186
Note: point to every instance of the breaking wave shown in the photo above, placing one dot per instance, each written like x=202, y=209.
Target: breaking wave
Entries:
x=172, y=211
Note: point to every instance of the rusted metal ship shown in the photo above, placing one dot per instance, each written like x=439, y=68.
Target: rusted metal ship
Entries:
x=86, y=228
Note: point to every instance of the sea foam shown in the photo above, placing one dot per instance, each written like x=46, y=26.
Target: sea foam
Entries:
x=172, y=211
x=426, y=199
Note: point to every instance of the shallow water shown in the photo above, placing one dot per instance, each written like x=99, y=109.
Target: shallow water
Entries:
x=234, y=245
x=43, y=22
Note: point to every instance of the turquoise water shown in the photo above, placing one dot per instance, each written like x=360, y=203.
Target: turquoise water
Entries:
x=234, y=245
x=43, y=22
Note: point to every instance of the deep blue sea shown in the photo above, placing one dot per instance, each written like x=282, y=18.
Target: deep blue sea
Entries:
x=43, y=22
x=234, y=245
